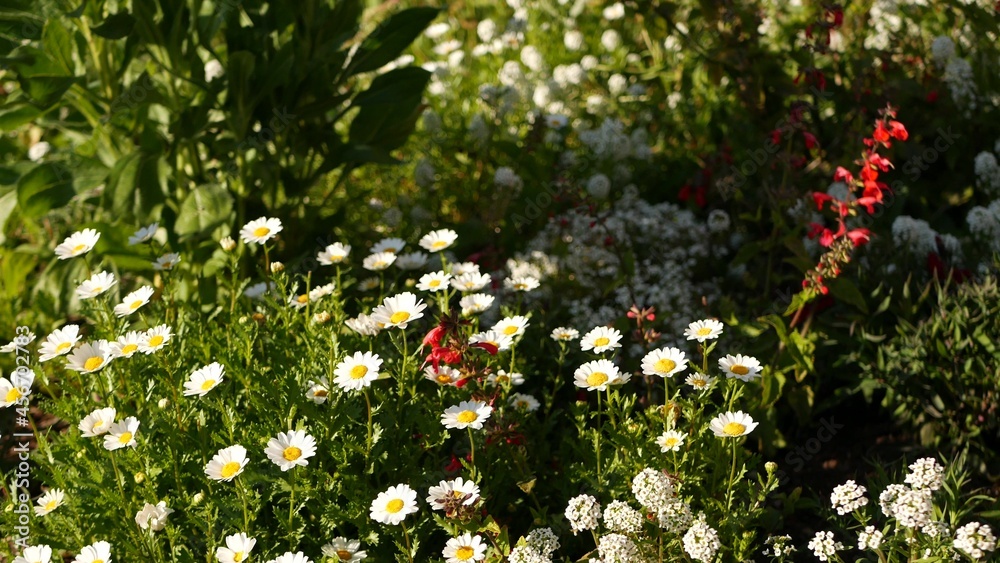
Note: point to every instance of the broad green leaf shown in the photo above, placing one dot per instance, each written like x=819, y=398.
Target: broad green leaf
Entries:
x=202, y=210
x=8, y=202
x=44, y=188
x=16, y=115
x=391, y=38
x=58, y=44
x=846, y=291
x=116, y=26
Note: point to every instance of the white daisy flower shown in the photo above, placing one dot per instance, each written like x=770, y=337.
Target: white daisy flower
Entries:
x=378, y=261
x=596, y=375
x=411, y=261
x=318, y=391
x=443, y=375
x=203, y=380
x=60, y=342
x=447, y=492
x=153, y=516
x=521, y=283
x=664, y=362
x=91, y=357
x=498, y=339
x=368, y=284
x=133, y=301
x=699, y=381
x=503, y=378
x=334, y=254
x=18, y=342
x=511, y=326
x=99, y=552
x=127, y=345
x=744, y=368
x=390, y=245
x=237, y=550
x=464, y=548
x=227, y=463
x=523, y=402
x=363, y=325
x=564, y=334
x=435, y=281
x=732, y=424
x=96, y=285
x=436, y=241
x=289, y=557
x=462, y=268
x=356, y=372
x=14, y=389
x=35, y=554
x=670, y=441
x=707, y=329
x=261, y=230
x=467, y=414
x=291, y=448
x=154, y=339
x=393, y=505
x=98, y=422
x=298, y=301
x=319, y=292
x=399, y=310
x=601, y=339
x=470, y=282
x=257, y=290
x=122, y=434
x=143, y=234
x=51, y=500
x=475, y=303
x=167, y=261
x=344, y=550
x=77, y=244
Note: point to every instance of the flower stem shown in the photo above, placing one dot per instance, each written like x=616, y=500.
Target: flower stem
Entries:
x=472, y=448
x=246, y=512
x=291, y=507
x=597, y=437
x=368, y=440
x=406, y=536
x=732, y=478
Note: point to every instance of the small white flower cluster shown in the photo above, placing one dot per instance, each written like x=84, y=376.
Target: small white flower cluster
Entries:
x=957, y=74
x=848, y=497
x=984, y=223
x=620, y=517
x=583, y=512
x=975, y=540
x=911, y=505
x=618, y=548
x=914, y=236
x=988, y=173
x=925, y=473
x=652, y=489
x=870, y=538
x=778, y=546
x=824, y=547
x=701, y=540
x=539, y=545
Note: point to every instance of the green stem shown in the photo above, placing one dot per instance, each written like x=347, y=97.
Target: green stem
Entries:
x=472, y=448
x=246, y=511
x=406, y=537
x=368, y=440
x=597, y=437
x=732, y=478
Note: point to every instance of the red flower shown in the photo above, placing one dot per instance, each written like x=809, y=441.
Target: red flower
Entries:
x=433, y=338
x=880, y=161
x=699, y=197
x=776, y=137
x=684, y=194
x=810, y=140
x=898, y=131
x=842, y=175
x=491, y=348
x=821, y=198
x=441, y=355
x=859, y=236
x=881, y=133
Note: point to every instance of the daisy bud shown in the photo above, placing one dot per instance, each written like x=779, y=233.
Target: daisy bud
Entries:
x=243, y=320
x=197, y=498
x=277, y=267
x=321, y=317
x=227, y=244
x=770, y=467
x=139, y=478
x=259, y=317
x=163, y=403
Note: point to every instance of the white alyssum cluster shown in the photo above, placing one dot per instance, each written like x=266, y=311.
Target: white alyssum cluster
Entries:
x=988, y=173
x=975, y=540
x=675, y=517
x=778, y=546
x=869, y=538
x=701, y=541
x=912, y=508
x=824, y=547
x=652, y=489
x=914, y=236
x=848, y=497
x=925, y=473
x=984, y=223
x=583, y=512
x=957, y=74
x=620, y=517
x=618, y=548
x=539, y=545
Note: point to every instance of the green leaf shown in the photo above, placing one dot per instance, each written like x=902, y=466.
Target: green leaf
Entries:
x=135, y=185
x=389, y=109
x=116, y=26
x=8, y=202
x=78, y=11
x=58, y=44
x=15, y=115
x=845, y=290
x=391, y=38
x=44, y=188
x=202, y=210
x=239, y=73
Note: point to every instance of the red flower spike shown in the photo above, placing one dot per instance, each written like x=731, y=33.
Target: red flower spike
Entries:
x=898, y=131
x=881, y=133
x=433, y=338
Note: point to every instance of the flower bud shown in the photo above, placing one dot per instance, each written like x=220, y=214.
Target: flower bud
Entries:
x=197, y=498
x=321, y=317
x=277, y=267
x=163, y=403
x=228, y=244
x=139, y=478
x=770, y=467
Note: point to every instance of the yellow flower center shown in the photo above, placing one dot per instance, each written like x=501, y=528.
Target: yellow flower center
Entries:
x=597, y=379
x=63, y=346
x=739, y=370
x=434, y=283
x=51, y=505
x=602, y=341
x=156, y=340
x=304, y=298
x=79, y=248
x=704, y=331
x=96, y=289
x=521, y=286
x=359, y=371
x=238, y=556
x=93, y=363
x=291, y=453
x=344, y=555
x=399, y=317
x=207, y=384
x=321, y=393
x=12, y=395
x=135, y=304
x=97, y=561
x=464, y=553
x=129, y=348
x=733, y=429
x=229, y=469
x=510, y=329
x=125, y=437
x=394, y=506
x=261, y=232
x=466, y=417
x=665, y=365
x=390, y=250
x=438, y=244
x=503, y=378
x=443, y=378
x=698, y=382
x=671, y=442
